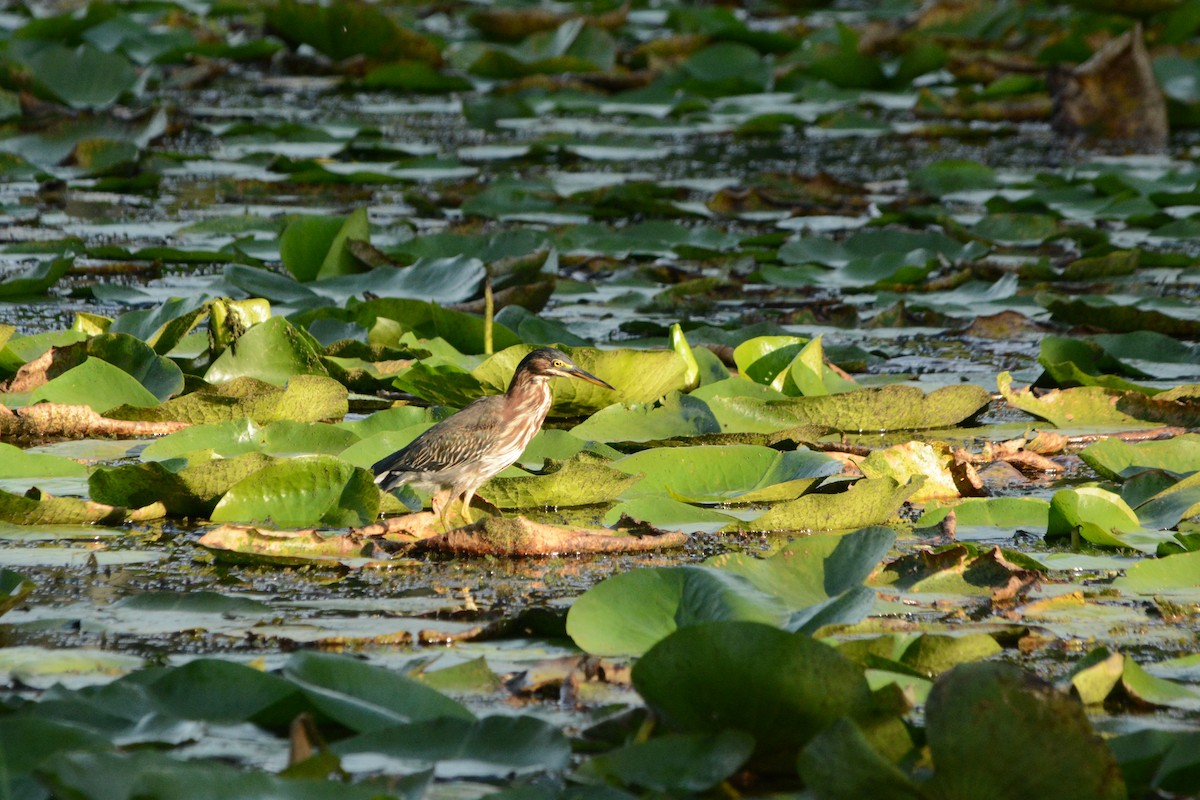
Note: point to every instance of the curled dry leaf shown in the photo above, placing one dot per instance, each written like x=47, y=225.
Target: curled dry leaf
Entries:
x=76, y=422
x=1113, y=95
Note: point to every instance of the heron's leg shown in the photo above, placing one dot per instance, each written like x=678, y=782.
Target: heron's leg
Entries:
x=440, y=503
x=466, y=505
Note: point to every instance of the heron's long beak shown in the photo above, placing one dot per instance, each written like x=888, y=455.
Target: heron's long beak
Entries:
x=582, y=374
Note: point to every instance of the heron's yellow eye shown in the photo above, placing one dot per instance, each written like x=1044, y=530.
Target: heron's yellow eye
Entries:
x=560, y=363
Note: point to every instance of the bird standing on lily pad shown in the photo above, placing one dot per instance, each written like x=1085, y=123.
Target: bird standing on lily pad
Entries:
x=459, y=454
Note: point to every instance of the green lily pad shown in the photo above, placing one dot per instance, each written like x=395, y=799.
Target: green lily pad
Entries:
x=283, y=437
x=1094, y=678
x=273, y=351
x=1082, y=406
x=36, y=279
x=302, y=492
x=17, y=463
x=192, y=492
x=1099, y=516
x=1155, y=691
x=14, y=588
x=944, y=177
x=841, y=763
x=1077, y=362
x=726, y=473
x=668, y=513
x=678, y=415
x=629, y=613
x=672, y=763
x=36, y=508
x=81, y=77
x=639, y=376
x=306, y=398
x=1115, y=459
x=96, y=384
x=812, y=569
x=863, y=503
x=495, y=747
x=345, y=29
x=933, y=653
x=887, y=408
x=781, y=688
x=1173, y=574
x=583, y=480
x=364, y=697
x=1015, y=718
x=314, y=247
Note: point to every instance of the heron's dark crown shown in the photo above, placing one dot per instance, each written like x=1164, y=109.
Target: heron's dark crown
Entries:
x=543, y=362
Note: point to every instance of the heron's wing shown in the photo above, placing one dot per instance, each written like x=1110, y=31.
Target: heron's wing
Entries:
x=461, y=439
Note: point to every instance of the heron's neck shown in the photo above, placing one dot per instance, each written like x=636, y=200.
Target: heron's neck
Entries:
x=530, y=393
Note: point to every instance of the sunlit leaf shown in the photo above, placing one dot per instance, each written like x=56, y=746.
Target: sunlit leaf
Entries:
x=630, y=612
x=96, y=384
x=861, y=504
x=724, y=474
x=300, y=492
x=273, y=351
x=579, y=481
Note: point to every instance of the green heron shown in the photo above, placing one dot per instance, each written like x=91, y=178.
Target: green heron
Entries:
x=461, y=452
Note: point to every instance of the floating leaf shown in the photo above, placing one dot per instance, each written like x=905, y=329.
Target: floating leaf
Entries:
x=781, y=688
x=283, y=437
x=17, y=463
x=581, y=481
x=81, y=77
x=306, y=398
x=344, y=29
x=1083, y=406
x=812, y=569
x=677, y=415
x=639, y=376
x=492, y=747
x=96, y=384
x=314, y=247
x=1118, y=460
x=36, y=508
x=888, y=408
x=944, y=177
x=191, y=492
x=35, y=280
x=1099, y=516
x=1173, y=574
x=864, y=503
x=630, y=612
x=14, y=588
x=672, y=763
x=365, y=697
x=301, y=492
x=726, y=473
x=1017, y=719
x=273, y=351
x=945, y=476
x=932, y=653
